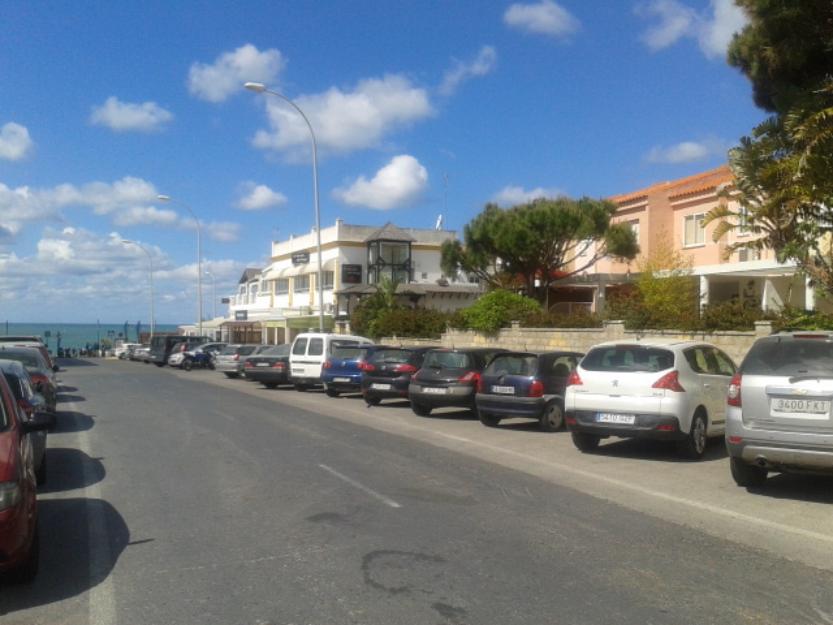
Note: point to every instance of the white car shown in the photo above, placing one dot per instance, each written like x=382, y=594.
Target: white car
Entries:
x=309, y=352
x=664, y=390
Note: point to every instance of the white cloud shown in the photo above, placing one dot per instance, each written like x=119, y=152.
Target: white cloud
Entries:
x=136, y=215
x=222, y=231
x=712, y=29
x=398, y=183
x=481, y=65
x=344, y=121
x=126, y=116
x=514, y=195
x=542, y=18
x=15, y=142
x=255, y=197
x=216, y=82
x=687, y=151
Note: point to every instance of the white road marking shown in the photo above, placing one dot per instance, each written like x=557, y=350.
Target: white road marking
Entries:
x=386, y=500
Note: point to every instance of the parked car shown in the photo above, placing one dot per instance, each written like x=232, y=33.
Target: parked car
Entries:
x=448, y=377
x=779, y=408
x=31, y=404
x=161, y=346
x=231, y=358
x=38, y=345
x=342, y=371
x=527, y=385
x=122, y=352
x=270, y=367
x=19, y=542
x=43, y=377
x=309, y=352
x=387, y=373
x=140, y=354
x=187, y=352
x=663, y=390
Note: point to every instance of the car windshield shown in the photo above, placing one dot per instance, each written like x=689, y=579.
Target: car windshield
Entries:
x=347, y=352
x=230, y=350
x=628, y=358
x=447, y=360
x=29, y=359
x=276, y=350
x=516, y=364
x=393, y=356
x=790, y=356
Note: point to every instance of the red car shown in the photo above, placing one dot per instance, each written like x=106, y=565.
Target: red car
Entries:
x=19, y=548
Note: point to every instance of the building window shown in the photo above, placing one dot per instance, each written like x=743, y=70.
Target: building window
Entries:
x=634, y=224
x=281, y=286
x=391, y=259
x=743, y=221
x=694, y=231
x=327, y=278
x=301, y=284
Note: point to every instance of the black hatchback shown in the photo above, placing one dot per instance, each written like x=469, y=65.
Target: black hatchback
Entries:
x=527, y=385
x=387, y=373
x=448, y=377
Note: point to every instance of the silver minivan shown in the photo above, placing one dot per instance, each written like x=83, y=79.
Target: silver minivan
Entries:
x=779, y=408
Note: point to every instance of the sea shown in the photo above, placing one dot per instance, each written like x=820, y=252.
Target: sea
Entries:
x=80, y=335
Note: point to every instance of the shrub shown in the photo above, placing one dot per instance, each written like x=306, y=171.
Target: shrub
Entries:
x=795, y=318
x=496, y=310
x=410, y=322
x=732, y=315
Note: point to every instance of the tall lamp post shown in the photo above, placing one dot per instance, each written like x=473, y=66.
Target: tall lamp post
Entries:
x=168, y=198
x=150, y=274
x=213, y=294
x=259, y=87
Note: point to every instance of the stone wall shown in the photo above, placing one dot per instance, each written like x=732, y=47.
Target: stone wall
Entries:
x=736, y=344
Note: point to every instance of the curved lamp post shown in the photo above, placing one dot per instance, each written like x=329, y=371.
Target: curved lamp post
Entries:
x=150, y=274
x=259, y=87
x=168, y=198
x=213, y=294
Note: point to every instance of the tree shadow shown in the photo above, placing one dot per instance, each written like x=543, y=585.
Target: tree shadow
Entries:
x=67, y=568
x=69, y=421
x=66, y=470
x=660, y=451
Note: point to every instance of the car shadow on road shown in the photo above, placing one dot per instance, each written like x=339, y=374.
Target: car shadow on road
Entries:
x=69, y=469
x=69, y=421
x=63, y=397
x=661, y=451
x=66, y=389
x=74, y=362
x=800, y=487
x=463, y=414
x=70, y=563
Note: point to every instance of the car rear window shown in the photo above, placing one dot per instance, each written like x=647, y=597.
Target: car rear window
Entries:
x=316, y=347
x=30, y=359
x=447, y=360
x=300, y=347
x=245, y=350
x=513, y=365
x=788, y=356
x=229, y=350
x=348, y=352
x=14, y=383
x=628, y=358
x=394, y=356
x=276, y=350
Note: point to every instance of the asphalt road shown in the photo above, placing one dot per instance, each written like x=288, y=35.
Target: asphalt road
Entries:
x=185, y=498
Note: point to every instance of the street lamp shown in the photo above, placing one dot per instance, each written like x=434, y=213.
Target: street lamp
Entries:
x=213, y=294
x=259, y=87
x=168, y=198
x=150, y=260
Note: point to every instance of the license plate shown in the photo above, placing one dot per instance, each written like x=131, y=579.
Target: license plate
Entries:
x=504, y=390
x=801, y=406
x=341, y=379
x=623, y=419
x=262, y=364
x=434, y=390
x=380, y=387
x=297, y=370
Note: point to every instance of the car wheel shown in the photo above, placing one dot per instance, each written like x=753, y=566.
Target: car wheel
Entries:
x=331, y=392
x=159, y=364
x=230, y=374
x=210, y=365
x=694, y=446
x=420, y=409
x=553, y=418
x=301, y=388
x=40, y=472
x=270, y=384
x=372, y=401
x=187, y=364
x=28, y=569
x=585, y=443
x=747, y=475
x=487, y=419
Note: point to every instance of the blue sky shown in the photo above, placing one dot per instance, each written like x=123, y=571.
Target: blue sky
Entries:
x=420, y=108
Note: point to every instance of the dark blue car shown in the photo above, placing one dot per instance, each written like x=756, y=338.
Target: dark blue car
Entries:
x=341, y=372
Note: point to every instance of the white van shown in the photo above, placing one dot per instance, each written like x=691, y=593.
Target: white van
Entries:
x=310, y=350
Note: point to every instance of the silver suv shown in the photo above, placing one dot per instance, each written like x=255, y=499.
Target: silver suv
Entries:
x=779, y=408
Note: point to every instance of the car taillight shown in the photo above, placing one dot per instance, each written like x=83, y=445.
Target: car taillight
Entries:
x=574, y=379
x=236, y=357
x=469, y=376
x=733, y=394
x=405, y=368
x=279, y=365
x=248, y=363
x=670, y=382
x=366, y=366
x=481, y=386
x=183, y=348
x=536, y=389
x=327, y=365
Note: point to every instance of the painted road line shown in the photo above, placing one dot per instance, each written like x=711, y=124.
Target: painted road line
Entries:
x=385, y=500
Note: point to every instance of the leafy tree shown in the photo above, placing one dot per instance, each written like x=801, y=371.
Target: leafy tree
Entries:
x=545, y=240
x=365, y=317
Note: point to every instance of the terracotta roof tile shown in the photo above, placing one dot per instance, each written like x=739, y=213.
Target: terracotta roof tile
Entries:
x=696, y=183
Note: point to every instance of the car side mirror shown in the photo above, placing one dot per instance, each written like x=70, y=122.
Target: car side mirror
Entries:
x=38, y=423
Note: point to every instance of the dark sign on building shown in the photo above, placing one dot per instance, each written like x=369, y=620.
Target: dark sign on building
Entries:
x=351, y=274
x=300, y=258
x=241, y=315
x=225, y=300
